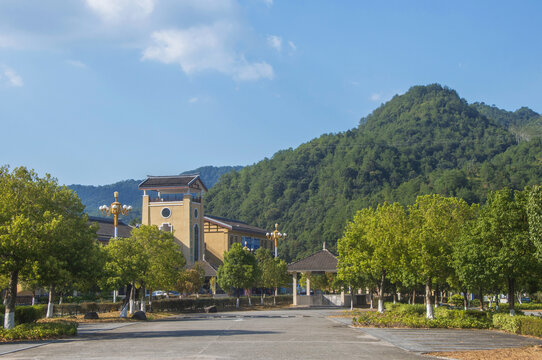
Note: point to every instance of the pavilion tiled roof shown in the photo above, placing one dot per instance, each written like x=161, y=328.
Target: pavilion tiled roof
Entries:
x=106, y=228
x=235, y=225
x=322, y=261
x=173, y=181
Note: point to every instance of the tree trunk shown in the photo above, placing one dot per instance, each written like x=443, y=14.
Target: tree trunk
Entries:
x=142, y=305
x=11, y=297
x=50, y=306
x=430, y=311
x=275, y=297
x=481, y=296
x=261, y=299
x=436, y=296
x=237, y=302
x=511, y=300
x=132, y=298
x=371, y=299
x=33, y=297
x=465, y=300
x=381, y=292
x=414, y=297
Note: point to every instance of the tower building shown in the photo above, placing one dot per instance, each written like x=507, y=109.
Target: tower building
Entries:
x=175, y=203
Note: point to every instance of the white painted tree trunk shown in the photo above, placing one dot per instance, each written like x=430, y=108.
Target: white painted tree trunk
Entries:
x=132, y=301
x=124, y=311
x=114, y=296
x=50, y=303
x=380, y=305
x=430, y=312
x=237, y=303
x=9, y=321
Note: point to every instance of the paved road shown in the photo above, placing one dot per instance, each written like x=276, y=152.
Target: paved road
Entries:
x=281, y=334
x=289, y=334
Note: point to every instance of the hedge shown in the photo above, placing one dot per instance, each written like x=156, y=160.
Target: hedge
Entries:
x=226, y=303
x=519, y=324
x=25, y=314
x=413, y=316
x=38, y=331
x=83, y=308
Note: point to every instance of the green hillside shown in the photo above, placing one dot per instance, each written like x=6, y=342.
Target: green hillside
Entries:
x=94, y=196
x=525, y=123
x=427, y=140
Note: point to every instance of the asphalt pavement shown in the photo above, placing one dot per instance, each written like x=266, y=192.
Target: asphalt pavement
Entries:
x=279, y=334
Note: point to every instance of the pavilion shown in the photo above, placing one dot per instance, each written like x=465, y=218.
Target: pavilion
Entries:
x=320, y=262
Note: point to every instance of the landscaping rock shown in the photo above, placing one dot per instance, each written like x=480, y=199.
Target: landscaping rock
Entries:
x=139, y=315
x=210, y=309
x=92, y=315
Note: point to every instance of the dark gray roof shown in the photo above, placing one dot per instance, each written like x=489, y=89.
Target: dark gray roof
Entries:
x=106, y=228
x=235, y=225
x=323, y=260
x=173, y=181
x=208, y=268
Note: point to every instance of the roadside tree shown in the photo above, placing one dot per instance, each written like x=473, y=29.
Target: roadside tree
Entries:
x=239, y=270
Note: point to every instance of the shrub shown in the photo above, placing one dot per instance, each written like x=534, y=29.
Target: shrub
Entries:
x=475, y=303
x=25, y=314
x=456, y=300
x=410, y=316
x=528, y=306
x=197, y=304
x=531, y=325
x=519, y=324
x=75, y=309
x=506, y=322
x=37, y=331
x=407, y=309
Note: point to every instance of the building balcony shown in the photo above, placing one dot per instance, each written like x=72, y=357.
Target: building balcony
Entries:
x=173, y=197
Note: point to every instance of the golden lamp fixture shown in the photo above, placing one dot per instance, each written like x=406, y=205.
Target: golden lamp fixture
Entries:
x=115, y=209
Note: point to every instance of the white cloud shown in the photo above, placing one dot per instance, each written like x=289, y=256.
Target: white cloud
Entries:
x=117, y=10
x=193, y=100
x=375, y=97
x=11, y=77
x=275, y=42
x=253, y=71
x=292, y=45
x=205, y=48
x=77, y=64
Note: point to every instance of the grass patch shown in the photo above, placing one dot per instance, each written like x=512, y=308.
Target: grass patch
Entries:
x=39, y=331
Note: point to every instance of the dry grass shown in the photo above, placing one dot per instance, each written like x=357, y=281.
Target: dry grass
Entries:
x=526, y=353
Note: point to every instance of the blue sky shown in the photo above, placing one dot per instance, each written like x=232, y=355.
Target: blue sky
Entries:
x=96, y=91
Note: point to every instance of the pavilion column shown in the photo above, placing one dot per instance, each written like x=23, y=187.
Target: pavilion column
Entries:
x=294, y=287
x=308, y=284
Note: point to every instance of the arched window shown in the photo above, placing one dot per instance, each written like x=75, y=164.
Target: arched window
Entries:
x=196, y=242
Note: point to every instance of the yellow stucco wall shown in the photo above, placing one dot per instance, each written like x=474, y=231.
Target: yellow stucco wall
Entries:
x=182, y=219
x=217, y=241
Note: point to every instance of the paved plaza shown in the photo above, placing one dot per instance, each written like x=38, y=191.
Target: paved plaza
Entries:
x=280, y=334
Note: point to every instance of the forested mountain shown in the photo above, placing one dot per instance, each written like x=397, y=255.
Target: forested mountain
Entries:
x=427, y=140
x=525, y=123
x=94, y=196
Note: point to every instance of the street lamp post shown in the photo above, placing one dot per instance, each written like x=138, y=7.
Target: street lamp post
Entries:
x=275, y=235
x=116, y=209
